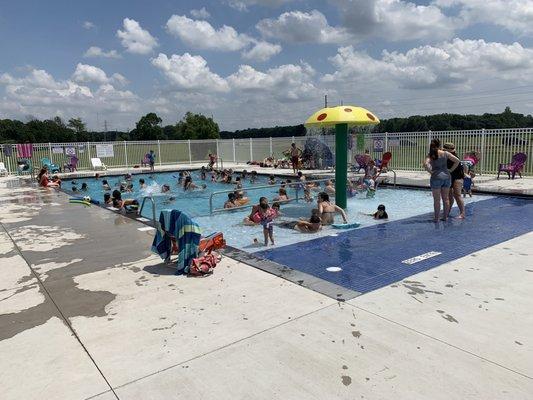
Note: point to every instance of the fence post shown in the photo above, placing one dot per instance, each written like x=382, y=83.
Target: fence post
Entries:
x=50, y=151
x=159, y=151
x=190, y=155
x=271, y=151
x=218, y=152
x=89, y=153
x=429, y=138
x=386, y=141
x=482, y=166
x=126, y=153
x=251, y=150
x=234, y=159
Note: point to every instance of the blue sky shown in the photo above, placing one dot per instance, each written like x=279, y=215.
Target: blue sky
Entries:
x=252, y=63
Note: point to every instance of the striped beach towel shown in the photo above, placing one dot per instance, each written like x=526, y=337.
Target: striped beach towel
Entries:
x=187, y=233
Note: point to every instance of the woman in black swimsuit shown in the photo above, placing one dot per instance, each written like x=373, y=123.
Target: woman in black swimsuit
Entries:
x=457, y=182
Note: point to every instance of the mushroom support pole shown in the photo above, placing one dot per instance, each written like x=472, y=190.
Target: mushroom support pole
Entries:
x=341, y=164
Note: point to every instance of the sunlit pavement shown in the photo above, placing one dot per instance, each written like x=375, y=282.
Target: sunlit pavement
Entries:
x=86, y=311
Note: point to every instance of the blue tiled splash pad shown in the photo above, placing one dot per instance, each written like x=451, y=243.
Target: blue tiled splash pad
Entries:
x=372, y=257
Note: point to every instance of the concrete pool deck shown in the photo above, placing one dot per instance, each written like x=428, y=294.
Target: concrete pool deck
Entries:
x=86, y=311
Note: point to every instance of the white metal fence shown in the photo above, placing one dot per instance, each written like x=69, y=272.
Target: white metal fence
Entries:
x=408, y=149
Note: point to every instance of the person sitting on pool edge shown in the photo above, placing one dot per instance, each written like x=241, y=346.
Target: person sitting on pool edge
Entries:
x=107, y=199
x=122, y=204
x=327, y=210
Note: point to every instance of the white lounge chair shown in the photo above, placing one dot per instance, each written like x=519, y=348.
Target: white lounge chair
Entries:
x=3, y=170
x=98, y=164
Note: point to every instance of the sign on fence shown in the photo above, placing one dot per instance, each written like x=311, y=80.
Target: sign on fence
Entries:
x=70, y=151
x=379, y=144
x=57, y=150
x=104, y=150
x=394, y=142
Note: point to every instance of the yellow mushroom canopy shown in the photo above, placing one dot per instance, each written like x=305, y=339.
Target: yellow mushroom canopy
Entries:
x=342, y=115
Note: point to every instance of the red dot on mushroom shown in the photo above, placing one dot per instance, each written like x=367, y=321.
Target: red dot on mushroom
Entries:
x=371, y=116
x=348, y=109
x=321, y=117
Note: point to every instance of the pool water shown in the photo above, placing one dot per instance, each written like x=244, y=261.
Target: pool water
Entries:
x=400, y=204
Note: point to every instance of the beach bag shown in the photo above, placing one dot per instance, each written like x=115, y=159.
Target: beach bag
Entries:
x=204, y=264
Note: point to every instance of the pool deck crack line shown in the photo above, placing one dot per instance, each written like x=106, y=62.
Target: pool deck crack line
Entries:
x=65, y=319
x=228, y=345
x=441, y=341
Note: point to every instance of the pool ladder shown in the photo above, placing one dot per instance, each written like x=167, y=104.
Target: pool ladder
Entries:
x=153, y=208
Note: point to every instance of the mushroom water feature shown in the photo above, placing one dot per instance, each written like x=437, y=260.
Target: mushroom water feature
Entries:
x=341, y=117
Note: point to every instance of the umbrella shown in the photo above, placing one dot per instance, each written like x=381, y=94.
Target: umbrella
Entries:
x=341, y=117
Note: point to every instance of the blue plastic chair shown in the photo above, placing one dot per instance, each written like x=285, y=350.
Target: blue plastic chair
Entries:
x=51, y=167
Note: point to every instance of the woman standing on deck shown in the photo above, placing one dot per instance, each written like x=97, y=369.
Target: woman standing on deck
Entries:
x=440, y=181
x=457, y=182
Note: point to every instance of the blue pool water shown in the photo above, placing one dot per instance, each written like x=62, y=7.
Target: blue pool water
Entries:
x=400, y=203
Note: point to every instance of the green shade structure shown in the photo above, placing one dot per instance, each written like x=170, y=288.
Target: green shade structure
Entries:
x=341, y=118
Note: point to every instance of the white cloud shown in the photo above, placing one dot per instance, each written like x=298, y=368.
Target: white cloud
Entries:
x=201, y=35
x=285, y=83
x=39, y=94
x=242, y=5
x=189, y=73
x=262, y=51
x=136, y=39
x=395, y=20
x=88, y=25
x=85, y=73
x=201, y=13
x=447, y=64
x=95, y=51
x=300, y=27
x=514, y=15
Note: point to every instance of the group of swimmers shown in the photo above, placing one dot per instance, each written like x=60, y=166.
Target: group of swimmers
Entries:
x=323, y=215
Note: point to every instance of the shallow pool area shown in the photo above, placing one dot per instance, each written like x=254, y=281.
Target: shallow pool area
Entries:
x=400, y=204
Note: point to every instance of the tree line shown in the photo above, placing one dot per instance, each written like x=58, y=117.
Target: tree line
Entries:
x=198, y=126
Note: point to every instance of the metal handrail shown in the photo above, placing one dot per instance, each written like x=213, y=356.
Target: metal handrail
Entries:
x=211, y=211
x=153, y=207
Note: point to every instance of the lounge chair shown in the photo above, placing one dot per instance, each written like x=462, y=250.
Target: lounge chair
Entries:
x=45, y=162
x=514, y=167
x=3, y=170
x=98, y=164
x=385, y=160
x=24, y=166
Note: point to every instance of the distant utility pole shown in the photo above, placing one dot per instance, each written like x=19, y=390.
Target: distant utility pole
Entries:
x=105, y=130
x=326, y=101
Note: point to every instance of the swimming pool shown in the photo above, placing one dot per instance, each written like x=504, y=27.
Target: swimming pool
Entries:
x=400, y=203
